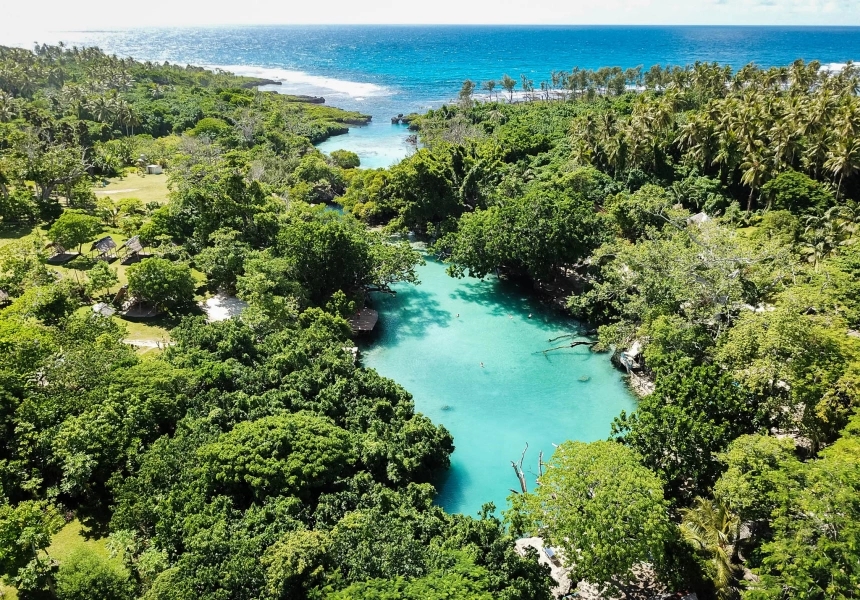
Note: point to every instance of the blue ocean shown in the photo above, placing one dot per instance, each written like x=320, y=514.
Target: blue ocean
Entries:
x=386, y=70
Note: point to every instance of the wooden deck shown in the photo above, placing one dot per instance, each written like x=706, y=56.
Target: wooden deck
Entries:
x=141, y=310
x=364, y=320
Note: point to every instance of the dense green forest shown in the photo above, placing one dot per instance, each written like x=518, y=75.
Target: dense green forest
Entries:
x=705, y=222
x=702, y=220
x=249, y=459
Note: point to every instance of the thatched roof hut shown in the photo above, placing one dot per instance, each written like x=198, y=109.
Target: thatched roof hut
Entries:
x=133, y=250
x=105, y=247
x=59, y=255
x=133, y=244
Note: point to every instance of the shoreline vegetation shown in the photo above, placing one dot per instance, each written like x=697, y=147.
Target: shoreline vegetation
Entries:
x=706, y=225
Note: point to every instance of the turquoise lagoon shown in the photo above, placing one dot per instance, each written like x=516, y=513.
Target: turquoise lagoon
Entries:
x=379, y=144
x=432, y=339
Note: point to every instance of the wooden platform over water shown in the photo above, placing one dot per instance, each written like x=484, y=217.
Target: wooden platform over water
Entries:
x=363, y=320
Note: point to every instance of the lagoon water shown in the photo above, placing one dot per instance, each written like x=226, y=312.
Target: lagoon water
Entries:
x=520, y=396
x=433, y=338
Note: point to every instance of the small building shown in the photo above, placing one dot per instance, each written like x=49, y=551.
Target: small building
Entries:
x=364, y=320
x=132, y=251
x=552, y=555
x=104, y=249
x=59, y=255
x=153, y=170
x=134, y=309
x=104, y=309
x=4, y=298
x=222, y=306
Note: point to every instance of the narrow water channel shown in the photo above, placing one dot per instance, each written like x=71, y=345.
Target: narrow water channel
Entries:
x=433, y=339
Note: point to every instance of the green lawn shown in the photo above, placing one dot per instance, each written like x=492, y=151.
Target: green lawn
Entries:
x=68, y=540
x=71, y=538
x=9, y=235
x=77, y=268
x=152, y=330
x=147, y=188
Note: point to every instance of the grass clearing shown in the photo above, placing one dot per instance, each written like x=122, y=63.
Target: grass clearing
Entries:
x=13, y=234
x=153, y=330
x=146, y=188
x=72, y=538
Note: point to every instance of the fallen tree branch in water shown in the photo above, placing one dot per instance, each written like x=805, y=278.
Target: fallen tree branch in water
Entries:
x=571, y=345
x=561, y=337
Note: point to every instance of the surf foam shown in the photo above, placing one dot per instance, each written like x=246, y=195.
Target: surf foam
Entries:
x=307, y=82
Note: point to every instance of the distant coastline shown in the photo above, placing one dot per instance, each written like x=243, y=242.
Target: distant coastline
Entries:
x=383, y=71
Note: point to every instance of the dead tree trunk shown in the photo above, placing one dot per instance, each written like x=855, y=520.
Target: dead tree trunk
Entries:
x=518, y=469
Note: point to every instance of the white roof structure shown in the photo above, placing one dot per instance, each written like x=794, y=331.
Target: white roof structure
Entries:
x=221, y=307
x=103, y=309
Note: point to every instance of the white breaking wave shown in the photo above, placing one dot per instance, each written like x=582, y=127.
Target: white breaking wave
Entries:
x=834, y=67
x=307, y=82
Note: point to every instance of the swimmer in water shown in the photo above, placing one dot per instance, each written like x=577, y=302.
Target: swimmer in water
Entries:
x=482, y=365
x=530, y=315
x=458, y=315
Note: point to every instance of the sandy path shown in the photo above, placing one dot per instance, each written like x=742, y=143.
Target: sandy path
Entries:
x=123, y=191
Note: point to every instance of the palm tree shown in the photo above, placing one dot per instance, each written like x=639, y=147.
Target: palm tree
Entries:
x=490, y=86
x=572, y=80
x=528, y=84
x=755, y=170
x=73, y=97
x=713, y=530
x=126, y=115
x=509, y=83
x=8, y=109
x=102, y=109
x=825, y=234
x=693, y=138
x=844, y=160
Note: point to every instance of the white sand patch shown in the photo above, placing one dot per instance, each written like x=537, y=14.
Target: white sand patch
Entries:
x=557, y=571
x=148, y=343
x=221, y=307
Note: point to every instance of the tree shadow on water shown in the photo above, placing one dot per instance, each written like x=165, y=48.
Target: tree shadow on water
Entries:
x=451, y=486
x=493, y=296
x=504, y=298
x=409, y=315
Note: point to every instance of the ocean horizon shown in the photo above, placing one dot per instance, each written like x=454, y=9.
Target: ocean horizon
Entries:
x=384, y=70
